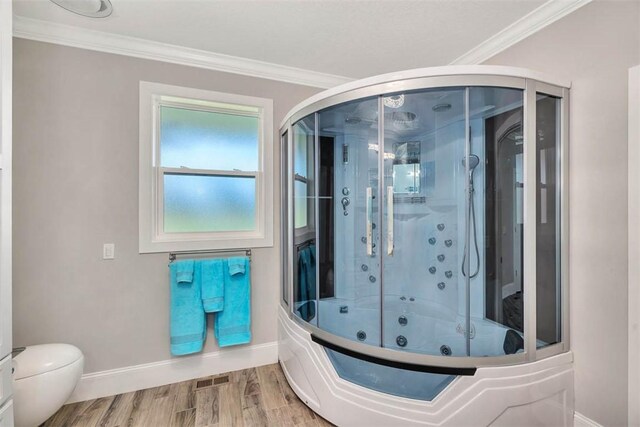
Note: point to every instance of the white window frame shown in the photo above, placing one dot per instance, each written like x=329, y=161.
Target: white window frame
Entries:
x=152, y=237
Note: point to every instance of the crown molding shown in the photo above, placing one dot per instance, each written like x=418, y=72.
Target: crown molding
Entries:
x=536, y=20
x=50, y=32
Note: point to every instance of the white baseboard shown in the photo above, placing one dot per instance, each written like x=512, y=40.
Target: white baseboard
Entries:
x=580, y=420
x=131, y=378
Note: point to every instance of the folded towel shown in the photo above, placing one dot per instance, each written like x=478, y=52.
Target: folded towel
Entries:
x=188, y=322
x=185, y=271
x=236, y=265
x=213, y=285
x=233, y=323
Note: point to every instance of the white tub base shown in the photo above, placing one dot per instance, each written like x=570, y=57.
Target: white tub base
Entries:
x=534, y=394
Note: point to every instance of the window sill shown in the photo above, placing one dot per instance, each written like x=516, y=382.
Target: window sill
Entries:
x=195, y=245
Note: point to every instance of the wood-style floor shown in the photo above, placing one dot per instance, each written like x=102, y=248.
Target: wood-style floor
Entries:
x=252, y=397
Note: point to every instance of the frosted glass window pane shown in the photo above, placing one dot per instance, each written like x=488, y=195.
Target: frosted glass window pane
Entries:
x=300, y=204
x=201, y=203
x=208, y=140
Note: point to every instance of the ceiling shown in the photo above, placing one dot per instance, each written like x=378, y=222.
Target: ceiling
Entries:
x=351, y=38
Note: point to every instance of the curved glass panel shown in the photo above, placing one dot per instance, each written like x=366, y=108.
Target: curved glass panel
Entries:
x=496, y=124
x=424, y=222
x=395, y=381
x=349, y=259
x=548, y=319
x=304, y=241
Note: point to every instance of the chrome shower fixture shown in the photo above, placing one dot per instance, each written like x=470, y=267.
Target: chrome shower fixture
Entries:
x=345, y=154
x=345, y=202
x=474, y=161
x=441, y=108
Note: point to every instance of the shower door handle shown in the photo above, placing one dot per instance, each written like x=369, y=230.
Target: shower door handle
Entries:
x=390, y=220
x=369, y=231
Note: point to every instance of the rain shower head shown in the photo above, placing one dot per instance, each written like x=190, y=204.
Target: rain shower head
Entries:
x=474, y=161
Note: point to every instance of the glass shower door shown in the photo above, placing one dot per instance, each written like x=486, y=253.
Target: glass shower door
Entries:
x=497, y=221
x=425, y=209
x=348, y=243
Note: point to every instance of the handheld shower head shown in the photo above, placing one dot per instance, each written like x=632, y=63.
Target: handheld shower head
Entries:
x=474, y=161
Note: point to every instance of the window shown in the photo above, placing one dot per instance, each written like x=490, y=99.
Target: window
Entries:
x=205, y=170
x=304, y=171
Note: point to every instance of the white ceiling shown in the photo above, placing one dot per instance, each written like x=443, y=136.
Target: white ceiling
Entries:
x=346, y=38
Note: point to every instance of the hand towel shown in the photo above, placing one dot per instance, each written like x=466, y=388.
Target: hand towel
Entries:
x=233, y=323
x=236, y=265
x=188, y=322
x=184, y=272
x=213, y=285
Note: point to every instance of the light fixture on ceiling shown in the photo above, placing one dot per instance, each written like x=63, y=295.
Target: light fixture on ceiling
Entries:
x=393, y=101
x=89, y=8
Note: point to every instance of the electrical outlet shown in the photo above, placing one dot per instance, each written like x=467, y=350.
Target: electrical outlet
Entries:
x=108, y=251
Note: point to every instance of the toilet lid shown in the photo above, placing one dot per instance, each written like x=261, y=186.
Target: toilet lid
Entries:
x=39, y=359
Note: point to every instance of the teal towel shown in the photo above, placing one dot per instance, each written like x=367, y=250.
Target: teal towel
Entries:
x=188, y=322
x=185, y=271
x=233, y=323
x=212, y=285
x=236, y=265
x=307, y=282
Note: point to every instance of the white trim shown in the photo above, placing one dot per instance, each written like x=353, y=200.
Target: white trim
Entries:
x=580, y=420
x=536, y=20
x=50, y=32
x=6, y=90
x=139, y=377
x=151, y=239
x=530, y=219
x=479, y=399
x=634, y=246
x=391, y=81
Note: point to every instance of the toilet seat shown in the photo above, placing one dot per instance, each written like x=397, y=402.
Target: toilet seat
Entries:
x=44, y=378
x=39, y=359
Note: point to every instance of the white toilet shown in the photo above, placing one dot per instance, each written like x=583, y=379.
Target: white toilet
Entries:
x=44, y=377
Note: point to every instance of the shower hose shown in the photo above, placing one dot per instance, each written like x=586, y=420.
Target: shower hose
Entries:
x=472, y=209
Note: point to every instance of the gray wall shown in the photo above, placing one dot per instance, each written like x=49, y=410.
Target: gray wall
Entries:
x=594, y=47
x=76, y=187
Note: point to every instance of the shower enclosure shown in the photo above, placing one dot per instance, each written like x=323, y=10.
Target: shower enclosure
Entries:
x=425, y=226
